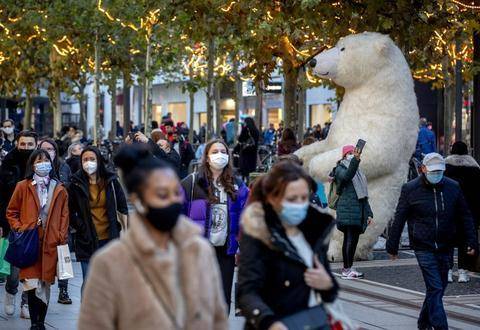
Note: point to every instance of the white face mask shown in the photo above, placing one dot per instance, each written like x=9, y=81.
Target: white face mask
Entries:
x=7, y=130
x=90, y=167
x=219, y=160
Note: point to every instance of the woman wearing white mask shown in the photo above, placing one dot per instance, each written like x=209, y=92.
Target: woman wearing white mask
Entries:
x=354, y=213
x=7, y=141
x=40, y=202
x=283, y=266
x=95, y=196
x=214, y=200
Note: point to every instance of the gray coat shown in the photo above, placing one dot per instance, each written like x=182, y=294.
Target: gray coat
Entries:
x=350, y=210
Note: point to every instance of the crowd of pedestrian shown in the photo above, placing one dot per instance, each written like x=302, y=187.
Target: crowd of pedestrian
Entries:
x=181, y=215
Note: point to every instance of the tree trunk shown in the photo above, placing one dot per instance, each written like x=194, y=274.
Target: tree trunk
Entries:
x=290, y=74
x=476, y=97
x=302, y=98
x=210, y=82
x=126, y=107
x=238, y=98
x=191, y=95
x=258, y=104
x=113, y=91
x=218, y=110
x=96, y=93
x=147, y=100
x=449, y=105
x=27, y=119
x=83, y=108
x=57, y=111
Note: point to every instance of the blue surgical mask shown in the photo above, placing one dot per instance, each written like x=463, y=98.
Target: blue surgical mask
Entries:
x=434, y=177
x=42, y=169
x=293, y=213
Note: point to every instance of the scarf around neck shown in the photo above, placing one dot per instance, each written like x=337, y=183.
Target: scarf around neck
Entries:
x=359, y=181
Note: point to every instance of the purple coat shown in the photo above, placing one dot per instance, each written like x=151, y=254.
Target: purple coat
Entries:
x=198, y=209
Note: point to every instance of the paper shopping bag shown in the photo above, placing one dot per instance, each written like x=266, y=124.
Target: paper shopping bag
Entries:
x=4, y=265
x=64, y=267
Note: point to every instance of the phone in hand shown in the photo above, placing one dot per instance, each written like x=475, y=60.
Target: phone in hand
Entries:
x=361, y=144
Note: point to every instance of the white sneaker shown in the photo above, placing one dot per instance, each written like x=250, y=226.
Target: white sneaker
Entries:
x=450, y=276
x=24, y=312
x=351, y=274
x=9, y=306
x=463, y=276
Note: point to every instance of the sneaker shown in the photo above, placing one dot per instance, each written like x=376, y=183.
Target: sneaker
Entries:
x=450, y=276
x=351, y=274
x=463, y=276
x=24, y=312
x=63, y=297
x=9, y=304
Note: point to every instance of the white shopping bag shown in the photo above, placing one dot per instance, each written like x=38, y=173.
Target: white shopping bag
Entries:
x=64, y=266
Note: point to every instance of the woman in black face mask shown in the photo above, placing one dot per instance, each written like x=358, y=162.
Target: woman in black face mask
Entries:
x=161, y=273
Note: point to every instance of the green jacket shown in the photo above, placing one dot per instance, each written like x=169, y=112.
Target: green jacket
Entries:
x=350, y=210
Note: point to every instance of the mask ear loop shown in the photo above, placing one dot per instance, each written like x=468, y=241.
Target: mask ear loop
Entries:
x=139, y=207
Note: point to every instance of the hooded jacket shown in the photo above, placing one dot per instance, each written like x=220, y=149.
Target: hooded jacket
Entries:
x=271, y=281
x=431, y=212
x=197, y=207
x=117, y=295
x=86, y=239
x=11, y=172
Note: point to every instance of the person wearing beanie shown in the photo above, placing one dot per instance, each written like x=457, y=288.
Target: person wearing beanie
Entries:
x=354, y=213
x=433, y=205
x=464, y=169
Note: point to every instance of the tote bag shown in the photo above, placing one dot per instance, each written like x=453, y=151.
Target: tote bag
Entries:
x=4, y=265
x=64, y=265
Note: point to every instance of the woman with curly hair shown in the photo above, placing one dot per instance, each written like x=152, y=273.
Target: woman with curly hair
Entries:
x=214, y=199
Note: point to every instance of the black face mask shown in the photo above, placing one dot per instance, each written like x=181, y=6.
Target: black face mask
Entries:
x=164, y=218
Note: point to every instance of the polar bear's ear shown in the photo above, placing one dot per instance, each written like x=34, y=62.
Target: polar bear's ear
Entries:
x=383, y=45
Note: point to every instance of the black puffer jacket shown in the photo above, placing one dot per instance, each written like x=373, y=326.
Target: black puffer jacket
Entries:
x=431, y=212
x=271, y=281
x=86, y=240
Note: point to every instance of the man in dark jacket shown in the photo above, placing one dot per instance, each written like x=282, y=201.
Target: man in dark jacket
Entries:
x=431, y=204
x=11, y=172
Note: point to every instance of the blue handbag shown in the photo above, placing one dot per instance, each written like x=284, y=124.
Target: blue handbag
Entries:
x=24, y=247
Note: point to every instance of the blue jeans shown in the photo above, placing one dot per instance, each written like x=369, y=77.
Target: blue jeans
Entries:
x=11, y=285
x=434, y=266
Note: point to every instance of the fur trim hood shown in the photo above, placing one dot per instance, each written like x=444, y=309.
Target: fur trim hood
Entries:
x=253, y=223
x=461, y=160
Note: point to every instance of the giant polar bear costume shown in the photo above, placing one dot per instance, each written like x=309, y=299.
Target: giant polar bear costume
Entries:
x=379, y=106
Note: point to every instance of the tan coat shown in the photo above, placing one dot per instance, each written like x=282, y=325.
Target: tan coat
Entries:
x=117, y=296
x=22, y=213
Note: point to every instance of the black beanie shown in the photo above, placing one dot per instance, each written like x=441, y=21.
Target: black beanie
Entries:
x=459, y=148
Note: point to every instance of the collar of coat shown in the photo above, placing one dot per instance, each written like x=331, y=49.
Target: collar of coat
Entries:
x=81, y=179
x=461, y=160
x=261, y=222
x=183, y=233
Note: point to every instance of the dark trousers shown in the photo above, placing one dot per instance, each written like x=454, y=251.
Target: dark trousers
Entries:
x=85, y=264
x=37, y=308
x=350, y=241
x=227, y=270
x=462, y=258
x=11, y=285
x=434, y=266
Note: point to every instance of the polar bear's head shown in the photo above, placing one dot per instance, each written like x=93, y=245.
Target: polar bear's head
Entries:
x=356, y=58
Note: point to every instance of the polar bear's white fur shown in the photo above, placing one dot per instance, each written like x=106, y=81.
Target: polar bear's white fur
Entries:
x=380, y=107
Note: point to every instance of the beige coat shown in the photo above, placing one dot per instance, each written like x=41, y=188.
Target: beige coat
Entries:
x=116, y=295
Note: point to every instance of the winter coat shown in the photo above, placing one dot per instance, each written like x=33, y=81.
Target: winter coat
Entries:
x=74, y=163
x=271, y=281
x=465, y=170
x=287, y=148
x=248, y=154
x=431, y=212
x=426, y=142
x=22, y=214
x=86, y=239
x=198, y=207
x=351, y=211
x=172, y=157
x=11, y=172
x=117, y=296
x=64, y=173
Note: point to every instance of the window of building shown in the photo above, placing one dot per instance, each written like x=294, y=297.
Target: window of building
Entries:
x=320, y=114
x=157, y=113
x=275, y=116
x=179, y=111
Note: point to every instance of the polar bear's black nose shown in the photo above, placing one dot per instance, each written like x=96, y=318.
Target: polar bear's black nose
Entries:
x=312, y=63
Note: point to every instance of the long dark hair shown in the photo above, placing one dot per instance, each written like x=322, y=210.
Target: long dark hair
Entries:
x=274, y=183
x=55, y=162
x=43, y=154
x=226, y=178
x=102, y=172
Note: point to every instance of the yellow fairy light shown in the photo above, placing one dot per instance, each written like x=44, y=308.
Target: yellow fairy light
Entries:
x=60, y=51
x=311, y=78
x=229, y=7
x=472, y=6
